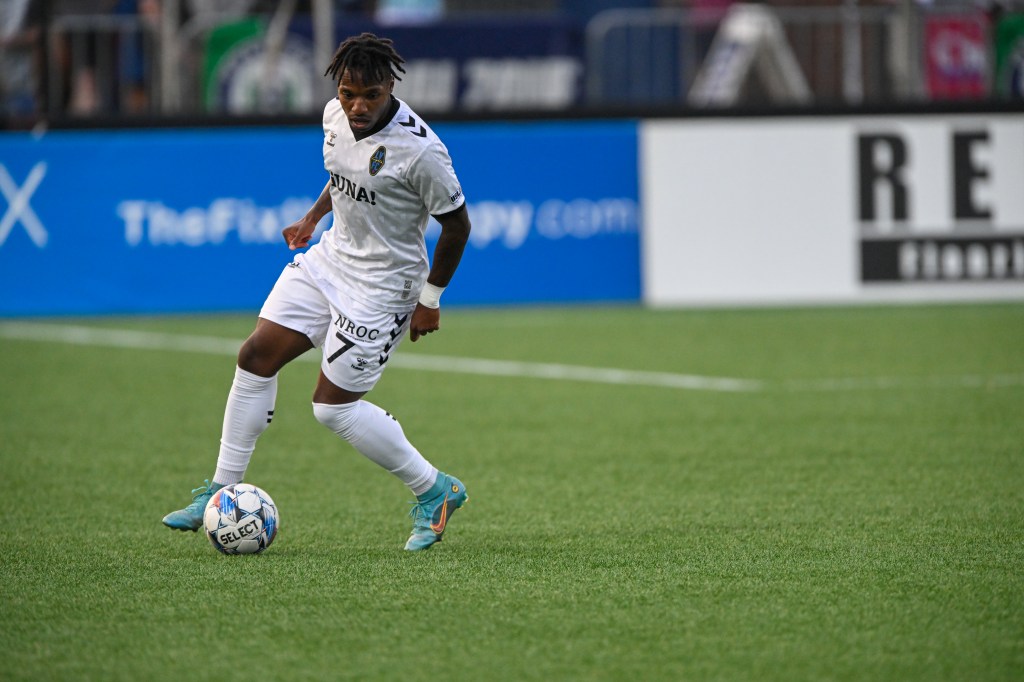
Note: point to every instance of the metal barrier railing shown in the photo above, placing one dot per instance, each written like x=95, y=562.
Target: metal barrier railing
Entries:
x=102, y=64
x=857, y=70
x=852, y=54
x=644, y=56
x=848, y=54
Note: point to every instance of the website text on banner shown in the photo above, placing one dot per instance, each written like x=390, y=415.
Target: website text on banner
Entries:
x=188, y=221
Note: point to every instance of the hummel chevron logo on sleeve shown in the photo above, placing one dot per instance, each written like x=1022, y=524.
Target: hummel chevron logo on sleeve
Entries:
x=411, y=123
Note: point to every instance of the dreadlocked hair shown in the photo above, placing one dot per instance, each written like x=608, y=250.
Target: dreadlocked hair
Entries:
x=373, y=58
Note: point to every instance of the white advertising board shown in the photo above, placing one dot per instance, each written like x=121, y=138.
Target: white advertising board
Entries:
x=831, y=210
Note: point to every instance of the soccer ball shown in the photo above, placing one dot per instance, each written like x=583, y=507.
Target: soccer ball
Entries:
x=241, y=519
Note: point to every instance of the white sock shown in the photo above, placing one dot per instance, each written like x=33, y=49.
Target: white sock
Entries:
x=379, y=437
x=249, y=409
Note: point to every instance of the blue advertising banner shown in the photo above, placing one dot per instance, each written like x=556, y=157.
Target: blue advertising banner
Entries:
x=156, y=221
x=190, y=220
x=555, y=212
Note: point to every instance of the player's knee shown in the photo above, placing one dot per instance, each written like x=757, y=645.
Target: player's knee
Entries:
x=256, y=358
x=341, y=419
x=248, y=356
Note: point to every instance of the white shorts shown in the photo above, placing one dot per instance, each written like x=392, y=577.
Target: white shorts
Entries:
x=357, y=342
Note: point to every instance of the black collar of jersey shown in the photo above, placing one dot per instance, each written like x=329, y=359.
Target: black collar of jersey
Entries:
x=384, y=120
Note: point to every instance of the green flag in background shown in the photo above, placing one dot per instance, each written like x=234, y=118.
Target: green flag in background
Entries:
x=1009, y=37
x=238, y=78
x=220, y=43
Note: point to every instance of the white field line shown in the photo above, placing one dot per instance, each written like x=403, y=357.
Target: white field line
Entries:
x=598, y=375
x=890, y=383
x=124, y=338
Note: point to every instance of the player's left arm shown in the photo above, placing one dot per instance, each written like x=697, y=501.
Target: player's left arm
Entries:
x=455, y=229
x=298, y=234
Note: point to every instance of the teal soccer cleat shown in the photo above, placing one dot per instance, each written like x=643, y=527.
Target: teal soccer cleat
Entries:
x=191, y=517
x=432, y=511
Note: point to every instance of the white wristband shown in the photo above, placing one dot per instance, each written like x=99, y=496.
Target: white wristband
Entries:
x=430, y=297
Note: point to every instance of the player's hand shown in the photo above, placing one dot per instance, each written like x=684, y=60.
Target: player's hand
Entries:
x=424, y=321
x=298, y=234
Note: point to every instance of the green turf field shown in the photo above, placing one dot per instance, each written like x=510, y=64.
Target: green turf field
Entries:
x=802, y=494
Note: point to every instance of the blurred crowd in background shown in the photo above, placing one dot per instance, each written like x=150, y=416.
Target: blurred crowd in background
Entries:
x=107, y=59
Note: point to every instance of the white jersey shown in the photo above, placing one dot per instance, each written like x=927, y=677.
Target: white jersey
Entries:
x=384, y=188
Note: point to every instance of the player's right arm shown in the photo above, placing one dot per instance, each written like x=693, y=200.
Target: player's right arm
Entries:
x=297, y=234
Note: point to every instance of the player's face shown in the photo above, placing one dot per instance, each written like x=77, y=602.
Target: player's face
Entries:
x=363, y=103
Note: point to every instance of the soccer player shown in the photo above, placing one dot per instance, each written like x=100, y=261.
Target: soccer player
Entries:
x=360, y=289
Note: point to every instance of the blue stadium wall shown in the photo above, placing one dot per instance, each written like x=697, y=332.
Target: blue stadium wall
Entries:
x=173, y=221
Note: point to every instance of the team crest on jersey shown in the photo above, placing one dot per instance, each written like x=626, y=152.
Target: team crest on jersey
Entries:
x=331, y=136
x=377, y=160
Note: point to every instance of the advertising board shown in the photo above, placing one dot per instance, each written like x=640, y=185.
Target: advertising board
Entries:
x=471, y=64
x=846, y=209
x=190, y=220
